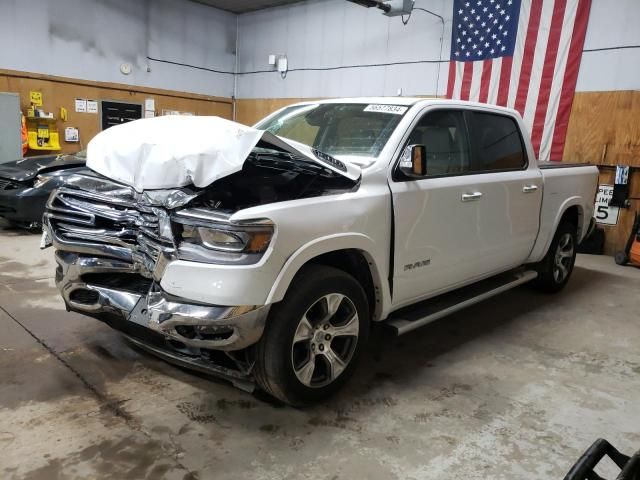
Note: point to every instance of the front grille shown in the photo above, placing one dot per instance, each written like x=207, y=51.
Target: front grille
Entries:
x=109, y=223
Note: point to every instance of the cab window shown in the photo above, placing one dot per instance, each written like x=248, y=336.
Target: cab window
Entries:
x=498, y=143
x=444, y=135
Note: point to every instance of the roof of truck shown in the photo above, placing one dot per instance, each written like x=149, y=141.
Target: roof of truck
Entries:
x=408, y=101
x=377, y=100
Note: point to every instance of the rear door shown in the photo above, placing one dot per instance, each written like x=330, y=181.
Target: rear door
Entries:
x=511, y=189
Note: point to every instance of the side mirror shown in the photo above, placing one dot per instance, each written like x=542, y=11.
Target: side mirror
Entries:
x=413, y=162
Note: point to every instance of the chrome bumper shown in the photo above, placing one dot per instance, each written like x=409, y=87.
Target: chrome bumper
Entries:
x=191, y=325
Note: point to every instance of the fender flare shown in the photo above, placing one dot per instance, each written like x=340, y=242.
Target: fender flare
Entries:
x=575, y=201
x=319, y=246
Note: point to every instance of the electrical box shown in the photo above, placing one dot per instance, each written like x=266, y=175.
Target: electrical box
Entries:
x=10, y=143
x=398, y=7
x=282, y=64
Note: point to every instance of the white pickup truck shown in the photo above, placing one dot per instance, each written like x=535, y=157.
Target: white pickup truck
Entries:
x=265, y=254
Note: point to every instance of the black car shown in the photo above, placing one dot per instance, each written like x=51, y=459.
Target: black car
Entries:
x=25, y=185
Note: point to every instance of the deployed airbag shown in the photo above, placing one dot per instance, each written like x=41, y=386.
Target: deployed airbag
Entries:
x=175, y=151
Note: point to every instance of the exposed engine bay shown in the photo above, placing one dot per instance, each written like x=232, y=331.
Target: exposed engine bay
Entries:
x=270, y=176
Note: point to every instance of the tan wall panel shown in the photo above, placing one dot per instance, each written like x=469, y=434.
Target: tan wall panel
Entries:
x=604, y=129
x=61, y=92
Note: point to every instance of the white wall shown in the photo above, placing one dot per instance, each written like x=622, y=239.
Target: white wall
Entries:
x=328, y=33
x=89, y=39
x=325, y=33
x=611, y=24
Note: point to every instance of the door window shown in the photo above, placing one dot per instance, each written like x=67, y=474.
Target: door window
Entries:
x=498, y=143
x=444, y=135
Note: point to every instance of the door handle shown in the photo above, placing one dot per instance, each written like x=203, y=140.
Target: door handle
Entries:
x=470, y=197
x=529, y=188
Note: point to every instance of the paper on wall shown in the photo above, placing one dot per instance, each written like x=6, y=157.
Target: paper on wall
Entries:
x=71, y=134
x=81, y=105
x=92, y=106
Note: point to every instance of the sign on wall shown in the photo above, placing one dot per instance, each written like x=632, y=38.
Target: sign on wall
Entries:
x=35, y=98
x=605, y=214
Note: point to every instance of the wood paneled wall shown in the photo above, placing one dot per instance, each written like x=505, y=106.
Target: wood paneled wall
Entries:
x=604, y=129
x=61, y=92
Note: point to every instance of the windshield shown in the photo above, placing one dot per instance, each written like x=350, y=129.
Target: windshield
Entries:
x=338, y=129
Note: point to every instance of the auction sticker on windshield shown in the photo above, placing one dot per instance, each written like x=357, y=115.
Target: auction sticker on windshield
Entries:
x=395, y=109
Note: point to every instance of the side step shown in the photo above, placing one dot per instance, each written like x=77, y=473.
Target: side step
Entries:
x=415, y=316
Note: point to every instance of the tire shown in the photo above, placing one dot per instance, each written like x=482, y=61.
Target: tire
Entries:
x=556, y=267
x=300, y=362
x=621, y=258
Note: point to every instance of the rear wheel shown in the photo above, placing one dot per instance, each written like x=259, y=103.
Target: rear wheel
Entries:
x=556, y=267
x=313, y=337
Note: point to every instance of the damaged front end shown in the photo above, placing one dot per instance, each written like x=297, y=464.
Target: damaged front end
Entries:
x=113, y=245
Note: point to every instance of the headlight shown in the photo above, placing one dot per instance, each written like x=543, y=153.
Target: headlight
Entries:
x=238, y=240
x=217, y=242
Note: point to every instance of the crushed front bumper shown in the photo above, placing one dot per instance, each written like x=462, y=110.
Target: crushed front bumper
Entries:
x=113, y=246
x=93, y=285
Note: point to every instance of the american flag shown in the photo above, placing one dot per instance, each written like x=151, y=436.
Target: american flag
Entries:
x=522, y=54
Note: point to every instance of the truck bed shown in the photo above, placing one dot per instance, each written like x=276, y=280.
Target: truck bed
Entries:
x=549, y=164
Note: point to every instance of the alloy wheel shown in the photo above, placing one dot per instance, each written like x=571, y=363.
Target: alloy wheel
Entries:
x=325, y=340
x=563, y=258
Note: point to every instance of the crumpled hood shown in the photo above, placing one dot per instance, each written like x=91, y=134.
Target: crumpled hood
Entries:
x=27, y=168
x=175, y=151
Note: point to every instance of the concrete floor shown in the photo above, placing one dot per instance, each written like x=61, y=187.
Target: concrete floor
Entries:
x=514, y=388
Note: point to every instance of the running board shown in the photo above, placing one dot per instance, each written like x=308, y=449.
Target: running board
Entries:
x=415, y=316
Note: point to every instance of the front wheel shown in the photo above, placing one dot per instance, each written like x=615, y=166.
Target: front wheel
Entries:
x=313, y=337
x=556, y=267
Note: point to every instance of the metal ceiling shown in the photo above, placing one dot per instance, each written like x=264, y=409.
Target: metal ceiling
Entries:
x=244, y=6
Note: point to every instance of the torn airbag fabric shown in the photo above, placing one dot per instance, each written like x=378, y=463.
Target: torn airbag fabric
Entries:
x=171, y=151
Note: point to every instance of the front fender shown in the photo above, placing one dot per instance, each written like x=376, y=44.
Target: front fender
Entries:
x=332, y=243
